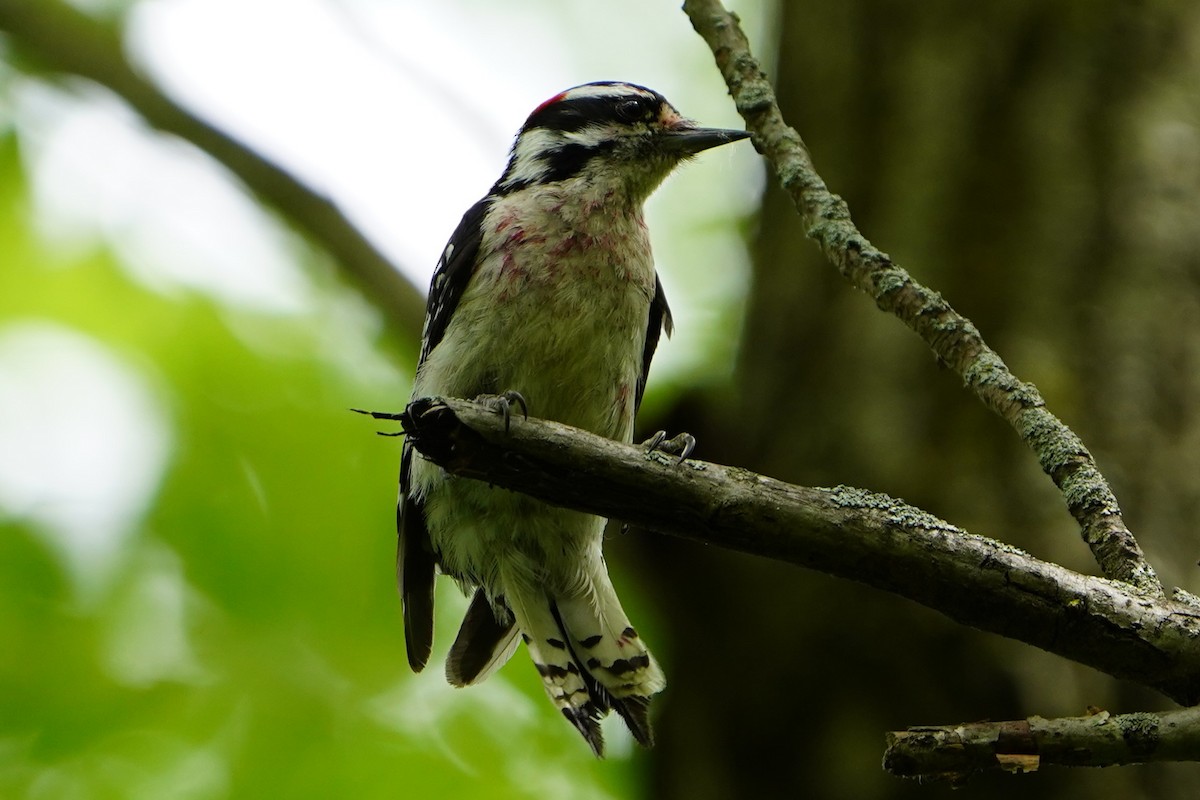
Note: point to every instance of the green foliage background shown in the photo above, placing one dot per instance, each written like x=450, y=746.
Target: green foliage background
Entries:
x=248, y=642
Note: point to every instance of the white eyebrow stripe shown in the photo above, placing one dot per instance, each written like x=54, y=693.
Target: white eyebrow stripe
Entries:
x=589, y=136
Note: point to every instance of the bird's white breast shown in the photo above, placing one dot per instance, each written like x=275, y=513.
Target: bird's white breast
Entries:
x=556, y=310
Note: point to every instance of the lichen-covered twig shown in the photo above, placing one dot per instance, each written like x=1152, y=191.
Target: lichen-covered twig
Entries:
x=956, y=752
x=846, y=532
x=952, y=337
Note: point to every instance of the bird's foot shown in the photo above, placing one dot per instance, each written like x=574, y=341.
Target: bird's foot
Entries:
x=388, y=415
x=681, y=445
x=502, y=404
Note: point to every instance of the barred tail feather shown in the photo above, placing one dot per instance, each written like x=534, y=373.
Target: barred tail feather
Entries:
x=608, y=644
x=564, y=679
x=613, y=655
x=590, y=658
x=634, y=709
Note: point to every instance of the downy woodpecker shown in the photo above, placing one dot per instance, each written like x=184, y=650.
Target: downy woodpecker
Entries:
x=546, y=293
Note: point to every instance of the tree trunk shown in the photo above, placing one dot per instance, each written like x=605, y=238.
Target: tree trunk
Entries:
x=1038, y=164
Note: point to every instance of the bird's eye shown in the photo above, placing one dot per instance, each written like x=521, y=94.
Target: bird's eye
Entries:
x=632, y=110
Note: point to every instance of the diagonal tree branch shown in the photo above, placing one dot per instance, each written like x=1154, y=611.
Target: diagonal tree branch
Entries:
x=953, y=338
x=851, y=533
x=55, y=38
x=956, y=752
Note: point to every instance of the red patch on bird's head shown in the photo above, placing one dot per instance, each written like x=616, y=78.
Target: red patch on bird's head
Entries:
x=549, y=103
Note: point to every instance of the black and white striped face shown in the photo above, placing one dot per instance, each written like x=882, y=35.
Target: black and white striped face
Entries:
x=609, y=131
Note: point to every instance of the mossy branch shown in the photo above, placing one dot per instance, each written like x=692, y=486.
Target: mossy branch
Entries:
x=953, y=338
x=957, y=752
x=850, y=533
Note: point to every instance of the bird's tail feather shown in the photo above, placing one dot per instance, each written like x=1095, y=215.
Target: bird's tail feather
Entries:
x=486, y=640
x=590, y=658
x=612, y=654
x=563, y=676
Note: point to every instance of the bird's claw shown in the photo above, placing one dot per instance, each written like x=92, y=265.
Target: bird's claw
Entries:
x=681, y=445
x=388, y=415
x=502, y=404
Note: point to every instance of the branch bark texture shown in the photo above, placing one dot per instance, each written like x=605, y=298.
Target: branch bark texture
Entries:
x=850, y=533
x=953, y=338
x=58, y=39
x=955, y=752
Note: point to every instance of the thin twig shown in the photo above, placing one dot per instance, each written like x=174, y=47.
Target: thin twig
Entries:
x=952, y=337
x=55, y=38
x=956, y=752
x=846, y=532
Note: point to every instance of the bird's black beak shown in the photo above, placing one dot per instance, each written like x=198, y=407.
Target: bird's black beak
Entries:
x=689, y=141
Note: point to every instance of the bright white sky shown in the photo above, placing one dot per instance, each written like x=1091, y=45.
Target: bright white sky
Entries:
x=403, y=112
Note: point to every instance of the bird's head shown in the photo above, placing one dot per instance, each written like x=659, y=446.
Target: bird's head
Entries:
x=609, y=134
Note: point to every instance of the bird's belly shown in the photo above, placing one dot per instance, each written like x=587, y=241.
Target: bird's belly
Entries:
x=572, y=345
x=571, y=342
x=583, y=370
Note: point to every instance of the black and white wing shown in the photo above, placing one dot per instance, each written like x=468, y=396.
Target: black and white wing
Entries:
x=415, y=559
x=660, y=320
x=454, y=271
